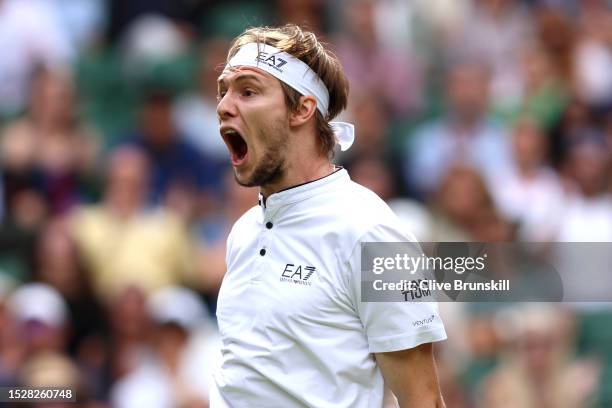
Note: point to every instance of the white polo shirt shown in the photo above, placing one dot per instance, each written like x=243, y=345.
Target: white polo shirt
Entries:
x=295, y=332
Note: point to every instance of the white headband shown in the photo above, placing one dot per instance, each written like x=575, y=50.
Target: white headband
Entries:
x=298, y=75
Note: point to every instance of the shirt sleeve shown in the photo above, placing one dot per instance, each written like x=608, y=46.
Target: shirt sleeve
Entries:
x=398, y=324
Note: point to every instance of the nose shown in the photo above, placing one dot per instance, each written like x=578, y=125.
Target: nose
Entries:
x=226, y=107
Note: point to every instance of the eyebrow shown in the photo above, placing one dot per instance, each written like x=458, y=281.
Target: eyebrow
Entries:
x=240, y=78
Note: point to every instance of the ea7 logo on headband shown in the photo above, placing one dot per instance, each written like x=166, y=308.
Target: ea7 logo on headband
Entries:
x=271, y=60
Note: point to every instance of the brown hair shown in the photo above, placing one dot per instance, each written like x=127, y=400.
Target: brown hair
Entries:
x=305, y=46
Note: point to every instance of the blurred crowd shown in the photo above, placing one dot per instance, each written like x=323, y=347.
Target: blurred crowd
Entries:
x=476, y=120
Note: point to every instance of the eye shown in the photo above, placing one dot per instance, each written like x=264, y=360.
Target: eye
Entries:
x=220, y=95
x=248, y=92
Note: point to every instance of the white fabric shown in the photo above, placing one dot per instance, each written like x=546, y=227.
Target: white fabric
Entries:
x=345, y=134
x=290, y=344
x=298, y=75
x=285, y=67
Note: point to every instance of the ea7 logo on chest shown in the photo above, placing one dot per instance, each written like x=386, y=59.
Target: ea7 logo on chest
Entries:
x=297, y=274
x=271, y=60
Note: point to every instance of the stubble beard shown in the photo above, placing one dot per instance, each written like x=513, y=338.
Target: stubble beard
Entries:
x=271, y=167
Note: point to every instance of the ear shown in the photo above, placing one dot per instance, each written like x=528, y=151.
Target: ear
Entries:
x=305, y=110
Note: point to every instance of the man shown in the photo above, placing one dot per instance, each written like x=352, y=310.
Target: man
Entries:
x=295, y=332
x=180, y=174
x=122, y=228
x=464, y=134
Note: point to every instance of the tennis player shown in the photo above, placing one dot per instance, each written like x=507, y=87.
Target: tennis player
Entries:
x=295, y=331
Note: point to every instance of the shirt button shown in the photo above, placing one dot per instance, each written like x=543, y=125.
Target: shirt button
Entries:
x=269, y=225
x=262, y=252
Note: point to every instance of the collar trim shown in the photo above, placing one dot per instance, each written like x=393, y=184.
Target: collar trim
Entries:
x=301, y=191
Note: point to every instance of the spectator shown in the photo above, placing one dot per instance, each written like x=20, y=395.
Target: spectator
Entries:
x=31, y=34
x=83, y=20
x=593, y=55
x=196, y=113
x=307, y=12
x=43, y=321
x=178, y=372
x=464, y=134
x=493, y=33
x=60, y=265
x=123, y=14
x=587, y=215
x=123, y=229
x=130, y=332
x=576, y=119
x=211, y=232
x=49, y=150
x=465, y=211
x=151, y=39
x=531, y=193
x=180, y=174
x=382, y=72
x=555, y=32
x=539, y=370
x=545, y=93
x=370, y=118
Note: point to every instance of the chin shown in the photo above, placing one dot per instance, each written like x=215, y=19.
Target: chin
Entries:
x=244, y=178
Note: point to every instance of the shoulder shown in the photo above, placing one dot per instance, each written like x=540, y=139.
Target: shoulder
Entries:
x=88, y=223
x=362, y=215
x=245, y=223
x=367, y=203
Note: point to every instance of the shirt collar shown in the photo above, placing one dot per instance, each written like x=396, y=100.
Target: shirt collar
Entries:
x=302, y=191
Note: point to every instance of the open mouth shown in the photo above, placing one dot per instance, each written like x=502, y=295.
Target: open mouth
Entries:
x=237, y=146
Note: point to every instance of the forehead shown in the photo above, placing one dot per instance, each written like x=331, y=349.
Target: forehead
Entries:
x=233, y=74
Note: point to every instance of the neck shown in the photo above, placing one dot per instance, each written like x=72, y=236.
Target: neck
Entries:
x=123, y=208
x=300, y=172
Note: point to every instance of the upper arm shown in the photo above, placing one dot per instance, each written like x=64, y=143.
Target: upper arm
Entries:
x=393, y=324
x=400, y=333
x=411, y=375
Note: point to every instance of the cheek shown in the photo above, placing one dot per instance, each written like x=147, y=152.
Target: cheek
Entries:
x=260, y=142
x=268, y=131
x=265, y=122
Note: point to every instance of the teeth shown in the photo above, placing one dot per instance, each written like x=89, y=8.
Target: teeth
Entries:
x=230, y=132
